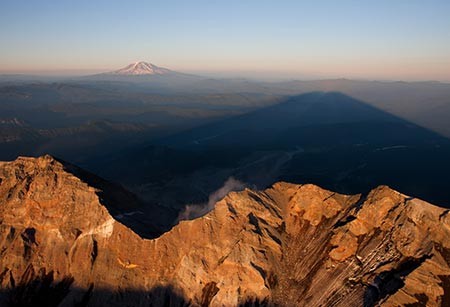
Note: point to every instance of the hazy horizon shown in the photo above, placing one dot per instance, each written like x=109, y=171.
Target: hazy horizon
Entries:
x=269, y=76
x=384, y=40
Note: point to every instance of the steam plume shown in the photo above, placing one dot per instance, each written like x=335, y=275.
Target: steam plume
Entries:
x=193, y=211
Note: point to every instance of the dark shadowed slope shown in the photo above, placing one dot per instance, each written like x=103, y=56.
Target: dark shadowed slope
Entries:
x=325, y=138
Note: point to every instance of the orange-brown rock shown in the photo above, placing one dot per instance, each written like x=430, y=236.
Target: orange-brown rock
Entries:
x=288, y=245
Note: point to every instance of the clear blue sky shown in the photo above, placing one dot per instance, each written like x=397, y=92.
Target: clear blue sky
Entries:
x=392, y=39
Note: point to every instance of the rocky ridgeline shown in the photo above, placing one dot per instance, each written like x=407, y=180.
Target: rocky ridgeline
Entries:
x=287, y=245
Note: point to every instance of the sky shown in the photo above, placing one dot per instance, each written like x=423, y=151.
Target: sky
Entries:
x=392, y=39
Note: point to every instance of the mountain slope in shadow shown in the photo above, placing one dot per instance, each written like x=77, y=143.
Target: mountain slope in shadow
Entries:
x=329, y=139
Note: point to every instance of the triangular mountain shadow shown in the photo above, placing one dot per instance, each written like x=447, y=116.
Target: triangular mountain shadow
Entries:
x=326, y=138
x=310, y=112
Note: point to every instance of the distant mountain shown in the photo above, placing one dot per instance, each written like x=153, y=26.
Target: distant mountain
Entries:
x=64, y=242
x=146, y=73
x=141, y=68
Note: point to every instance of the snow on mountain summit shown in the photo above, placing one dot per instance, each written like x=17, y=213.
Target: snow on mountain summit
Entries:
x=141, y=68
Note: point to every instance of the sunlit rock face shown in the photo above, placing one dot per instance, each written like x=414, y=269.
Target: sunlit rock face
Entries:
x=287, y=245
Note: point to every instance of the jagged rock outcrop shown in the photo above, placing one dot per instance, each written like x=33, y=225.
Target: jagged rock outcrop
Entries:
x=288, y=245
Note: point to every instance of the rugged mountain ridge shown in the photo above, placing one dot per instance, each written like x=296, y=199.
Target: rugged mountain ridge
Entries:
x=287, y=245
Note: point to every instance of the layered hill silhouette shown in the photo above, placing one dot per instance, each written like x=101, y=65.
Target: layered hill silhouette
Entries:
x=286, y=245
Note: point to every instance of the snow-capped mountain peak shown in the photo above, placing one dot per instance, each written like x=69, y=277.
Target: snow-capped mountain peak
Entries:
x=141, y=68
